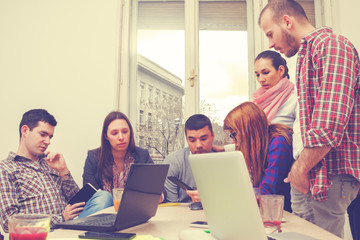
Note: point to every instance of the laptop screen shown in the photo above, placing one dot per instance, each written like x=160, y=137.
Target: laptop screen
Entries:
x=142, y=193
x=227, y=195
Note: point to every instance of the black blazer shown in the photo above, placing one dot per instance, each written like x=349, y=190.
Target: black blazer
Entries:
x=92, y=173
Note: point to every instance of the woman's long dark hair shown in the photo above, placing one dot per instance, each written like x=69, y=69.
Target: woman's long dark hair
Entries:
x=106, y=159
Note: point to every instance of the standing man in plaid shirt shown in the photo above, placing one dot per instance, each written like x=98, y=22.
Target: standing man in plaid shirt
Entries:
x=35, y=181
x=325, y=177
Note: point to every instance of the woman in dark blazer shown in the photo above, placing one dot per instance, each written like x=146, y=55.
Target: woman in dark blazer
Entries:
x=108, y=166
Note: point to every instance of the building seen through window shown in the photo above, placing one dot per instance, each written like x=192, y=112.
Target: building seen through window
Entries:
x=161, y=134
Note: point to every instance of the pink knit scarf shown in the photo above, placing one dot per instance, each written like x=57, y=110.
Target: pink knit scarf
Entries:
x=270, y=100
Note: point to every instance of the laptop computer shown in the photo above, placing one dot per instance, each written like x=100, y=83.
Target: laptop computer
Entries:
x=139, y=201
x=228, y=198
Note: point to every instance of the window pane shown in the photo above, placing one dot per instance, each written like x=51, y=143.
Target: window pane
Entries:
x=224, y=81
x=309, y=8
x=160, y=74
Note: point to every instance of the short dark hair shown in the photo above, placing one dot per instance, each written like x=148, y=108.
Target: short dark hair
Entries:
x=276, y=59
x=196, y=122
x=32, y=118
x=284, y=7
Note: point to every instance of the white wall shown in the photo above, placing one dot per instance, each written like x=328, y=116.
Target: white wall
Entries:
x=61, y=56
x=345, y=21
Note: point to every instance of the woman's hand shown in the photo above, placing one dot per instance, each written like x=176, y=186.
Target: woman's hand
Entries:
x=216, y=148
x=194, y=194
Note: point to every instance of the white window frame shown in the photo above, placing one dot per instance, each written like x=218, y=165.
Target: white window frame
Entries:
x=257, y=42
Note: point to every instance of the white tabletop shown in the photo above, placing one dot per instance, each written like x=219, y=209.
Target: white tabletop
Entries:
x=170, y=220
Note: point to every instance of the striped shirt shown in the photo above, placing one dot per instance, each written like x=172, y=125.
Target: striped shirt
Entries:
x=328, y=86
x=32, y=187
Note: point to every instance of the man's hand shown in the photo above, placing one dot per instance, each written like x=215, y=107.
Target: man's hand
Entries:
x=194, y=194
x=298, y=175
x=298, y=178
x=57, y=162
x=72, y=211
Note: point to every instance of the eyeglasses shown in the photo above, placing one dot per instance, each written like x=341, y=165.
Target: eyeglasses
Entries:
x=232, y=135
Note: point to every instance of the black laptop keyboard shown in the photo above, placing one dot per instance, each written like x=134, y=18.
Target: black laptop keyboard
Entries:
x=107, y=220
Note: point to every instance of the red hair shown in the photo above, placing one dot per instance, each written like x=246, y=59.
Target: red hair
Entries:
x=253, y=134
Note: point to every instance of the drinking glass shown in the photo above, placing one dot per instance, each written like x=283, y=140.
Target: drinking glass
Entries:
x=117, y=195
x=29, y=226
x=271, y=209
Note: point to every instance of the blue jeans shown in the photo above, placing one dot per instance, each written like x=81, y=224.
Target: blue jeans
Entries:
x=99, y=201
x=328, y=214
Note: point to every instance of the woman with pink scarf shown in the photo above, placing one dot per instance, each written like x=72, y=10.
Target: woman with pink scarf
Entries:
x=277, y=95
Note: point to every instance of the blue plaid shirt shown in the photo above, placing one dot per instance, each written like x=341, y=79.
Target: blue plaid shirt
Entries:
x=279, y=162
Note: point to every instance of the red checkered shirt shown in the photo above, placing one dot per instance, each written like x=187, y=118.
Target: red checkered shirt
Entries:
x=32, y=187
x=328, y=85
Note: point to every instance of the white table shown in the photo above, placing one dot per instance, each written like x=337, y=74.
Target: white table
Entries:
x=169, y=221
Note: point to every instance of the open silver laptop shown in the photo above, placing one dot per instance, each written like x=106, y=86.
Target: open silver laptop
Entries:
x=228, y=198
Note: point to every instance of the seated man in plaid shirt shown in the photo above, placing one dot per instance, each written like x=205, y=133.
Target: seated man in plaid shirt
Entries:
x=34, y=180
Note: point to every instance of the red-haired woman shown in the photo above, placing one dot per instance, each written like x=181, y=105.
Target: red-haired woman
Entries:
x=267, y=149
